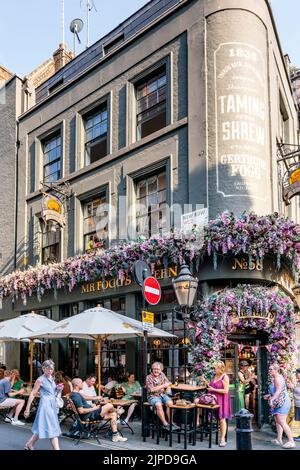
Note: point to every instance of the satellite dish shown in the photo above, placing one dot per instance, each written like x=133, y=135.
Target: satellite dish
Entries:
x=140, y=271
x=75, y=28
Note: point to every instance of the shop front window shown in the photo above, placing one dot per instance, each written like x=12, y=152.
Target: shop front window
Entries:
x=42, y=351
x=69, y=347
x=113, y=353
x=172, y=352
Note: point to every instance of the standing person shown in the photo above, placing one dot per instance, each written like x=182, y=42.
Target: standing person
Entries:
x=157, y=386
x=243, y=385
x=219, y=386
x=280, y=405
x=296, y=394
x=46, y=425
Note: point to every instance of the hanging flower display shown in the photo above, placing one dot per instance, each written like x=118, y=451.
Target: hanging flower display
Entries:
x=245, y=306
x=254, y=236
x=248, y=234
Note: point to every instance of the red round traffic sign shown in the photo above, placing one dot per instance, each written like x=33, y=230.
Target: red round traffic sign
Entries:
x=152, y=290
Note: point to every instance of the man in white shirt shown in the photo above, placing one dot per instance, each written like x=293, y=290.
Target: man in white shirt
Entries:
x=88, y=390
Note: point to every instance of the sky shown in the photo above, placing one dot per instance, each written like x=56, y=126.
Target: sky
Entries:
x=30, y=30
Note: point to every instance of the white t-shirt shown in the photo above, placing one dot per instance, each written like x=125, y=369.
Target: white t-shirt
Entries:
x=88, y=391
x=110, y=384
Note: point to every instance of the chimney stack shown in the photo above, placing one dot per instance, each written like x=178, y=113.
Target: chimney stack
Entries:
x=61, y=57
x=4, y=74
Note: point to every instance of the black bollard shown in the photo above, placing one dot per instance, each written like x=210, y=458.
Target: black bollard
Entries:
x=243, y=430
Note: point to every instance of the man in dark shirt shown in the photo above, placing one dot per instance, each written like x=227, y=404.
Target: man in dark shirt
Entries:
x=95, y=412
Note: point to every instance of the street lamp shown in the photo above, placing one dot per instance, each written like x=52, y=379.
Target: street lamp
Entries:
x=185, y=287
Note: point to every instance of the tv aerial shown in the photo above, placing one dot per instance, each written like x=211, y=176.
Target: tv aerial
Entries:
x=75, y=28
x=89, y=5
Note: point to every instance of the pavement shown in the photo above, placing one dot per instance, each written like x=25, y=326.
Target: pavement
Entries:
x=14, y=438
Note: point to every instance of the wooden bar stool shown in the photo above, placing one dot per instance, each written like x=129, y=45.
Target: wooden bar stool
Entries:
x=209, y=422
x=188, y=413
x=151, y=423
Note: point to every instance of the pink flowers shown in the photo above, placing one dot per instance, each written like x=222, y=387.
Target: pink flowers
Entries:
x=217, y=318
x=248, y=234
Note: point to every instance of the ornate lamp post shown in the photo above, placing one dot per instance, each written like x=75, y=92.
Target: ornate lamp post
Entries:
x=185, y=287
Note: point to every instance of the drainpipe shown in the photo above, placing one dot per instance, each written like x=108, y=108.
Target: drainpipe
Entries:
x=16, y=193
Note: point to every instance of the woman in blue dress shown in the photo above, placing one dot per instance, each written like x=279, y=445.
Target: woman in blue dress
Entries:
x=46, y=425
x=278, y=388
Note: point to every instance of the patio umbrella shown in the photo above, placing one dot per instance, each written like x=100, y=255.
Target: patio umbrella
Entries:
x=22, y=327
x=98, y=323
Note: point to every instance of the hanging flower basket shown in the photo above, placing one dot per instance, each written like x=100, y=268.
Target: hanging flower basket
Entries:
x=248, y=234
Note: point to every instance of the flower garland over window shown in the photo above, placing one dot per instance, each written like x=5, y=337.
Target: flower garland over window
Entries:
x=248, y=234
x=231, y=309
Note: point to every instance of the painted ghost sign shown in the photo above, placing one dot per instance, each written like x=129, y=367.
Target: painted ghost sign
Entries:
x=241, y=120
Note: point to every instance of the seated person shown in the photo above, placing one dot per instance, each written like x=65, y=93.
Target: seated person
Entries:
x=129, y=387
x=157, y=387
x=95, y=412
x=17, y=383
x=7, y=399
x=107, y=389
x=1, y=374
x=88, y=390
x=59, y=379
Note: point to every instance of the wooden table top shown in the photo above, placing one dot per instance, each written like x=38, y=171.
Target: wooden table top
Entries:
x=188, y=388
x=199, y=405
x=183, y=406
x=117, y=402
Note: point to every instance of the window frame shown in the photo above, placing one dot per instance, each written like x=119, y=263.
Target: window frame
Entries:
x=91, y=112
x=37, y=172
x=99, y=195
x=148, y=215
x=43, y=247
x=54, y=136
x=133, y=133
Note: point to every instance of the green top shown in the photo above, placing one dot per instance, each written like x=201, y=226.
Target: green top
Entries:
x=135, y=387
x=18, y=385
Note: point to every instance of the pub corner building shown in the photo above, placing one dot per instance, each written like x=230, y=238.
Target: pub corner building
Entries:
x=185, y=102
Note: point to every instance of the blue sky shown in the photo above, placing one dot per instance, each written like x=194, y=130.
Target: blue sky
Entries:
x=30, y=30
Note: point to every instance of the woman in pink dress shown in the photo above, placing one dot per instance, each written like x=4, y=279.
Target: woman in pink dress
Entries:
x=219, y=386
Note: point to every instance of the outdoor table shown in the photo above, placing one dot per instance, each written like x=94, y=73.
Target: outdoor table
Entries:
x=136, y=395
x=189, y=389
x=124, y=403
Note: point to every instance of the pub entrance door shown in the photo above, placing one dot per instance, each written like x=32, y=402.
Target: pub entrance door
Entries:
x=240, y=349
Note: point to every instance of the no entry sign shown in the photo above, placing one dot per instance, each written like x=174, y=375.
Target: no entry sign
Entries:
x=152, y=290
